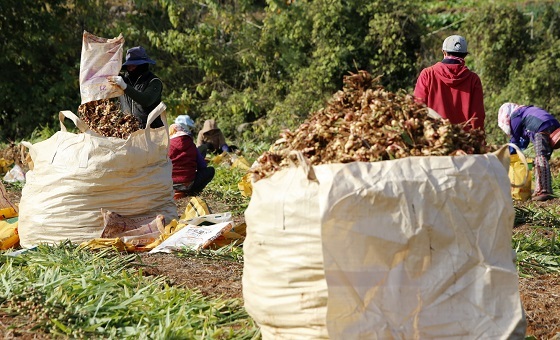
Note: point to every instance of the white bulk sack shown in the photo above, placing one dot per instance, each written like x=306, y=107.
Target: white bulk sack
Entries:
x=76, y=175
x=415, y=248
x=284, y=287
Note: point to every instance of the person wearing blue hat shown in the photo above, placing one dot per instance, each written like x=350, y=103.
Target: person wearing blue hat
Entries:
x=186, y=121
x=142, y=89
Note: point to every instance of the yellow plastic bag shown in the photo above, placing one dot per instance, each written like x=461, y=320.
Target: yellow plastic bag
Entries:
x=240, y=162
x=521, y=177
x=5, y=165
x=245, y=186
x=195, y=208
x=6, y=213
x=233, y=160
x=218, y=158
x=8, y=234
x=7, y=208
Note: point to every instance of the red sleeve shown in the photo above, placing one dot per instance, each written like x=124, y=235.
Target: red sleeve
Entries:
x=421, y=89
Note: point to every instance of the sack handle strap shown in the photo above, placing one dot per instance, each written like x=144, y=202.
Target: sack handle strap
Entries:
x=157, y=112
x=80, y=124
x=524, y=160
x=302, y=162
x=83, y=127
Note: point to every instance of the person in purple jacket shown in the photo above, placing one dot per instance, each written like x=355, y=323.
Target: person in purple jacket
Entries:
x=526, y=124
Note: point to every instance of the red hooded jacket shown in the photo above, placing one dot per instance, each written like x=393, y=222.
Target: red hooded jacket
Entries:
x=453, y=91
x=183, y=154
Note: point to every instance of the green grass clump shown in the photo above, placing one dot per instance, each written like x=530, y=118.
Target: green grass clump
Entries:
x=78, y=293
x=538, y=249
x=224, y=188
x=537, y=246
x=227, y=253
x=536, y=254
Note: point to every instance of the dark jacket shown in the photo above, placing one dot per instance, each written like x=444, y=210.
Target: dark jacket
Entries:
x=211, y=134
x=142, y=96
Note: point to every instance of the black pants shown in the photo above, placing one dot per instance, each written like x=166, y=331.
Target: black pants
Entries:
x=203, y=177
x=209, y=148
x=206, y=148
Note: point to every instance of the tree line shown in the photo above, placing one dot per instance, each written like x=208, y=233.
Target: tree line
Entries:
x=261, y=66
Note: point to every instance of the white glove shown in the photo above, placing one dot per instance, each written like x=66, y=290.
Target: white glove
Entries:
x=118, y=81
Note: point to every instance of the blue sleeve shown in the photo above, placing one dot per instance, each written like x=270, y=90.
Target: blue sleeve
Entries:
x=225, y=148
x=521, y=143
x=200, y=161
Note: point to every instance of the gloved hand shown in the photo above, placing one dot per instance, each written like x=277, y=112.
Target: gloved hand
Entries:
x=118, y=81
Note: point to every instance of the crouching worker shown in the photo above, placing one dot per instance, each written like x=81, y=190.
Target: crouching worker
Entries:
x=190, y=172
x=212, y=140
x=531, y=124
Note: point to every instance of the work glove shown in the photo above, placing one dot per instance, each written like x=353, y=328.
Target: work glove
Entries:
x=117, y=80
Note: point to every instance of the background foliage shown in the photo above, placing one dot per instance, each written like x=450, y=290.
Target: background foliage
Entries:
x=262, y=66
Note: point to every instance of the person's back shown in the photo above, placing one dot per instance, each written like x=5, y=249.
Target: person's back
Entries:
x=450, y=88
x=182, y=153
x=211, y=139
x=190, y=172
x=526, y=121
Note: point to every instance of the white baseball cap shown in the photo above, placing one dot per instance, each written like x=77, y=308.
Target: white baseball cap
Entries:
x=455, y=43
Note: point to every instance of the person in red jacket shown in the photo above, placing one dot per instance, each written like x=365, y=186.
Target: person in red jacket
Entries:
x=450, y=88
x=190, y=173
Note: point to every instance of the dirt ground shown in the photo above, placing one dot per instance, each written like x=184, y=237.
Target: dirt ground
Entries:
x=211, y=277
x=540, y=295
